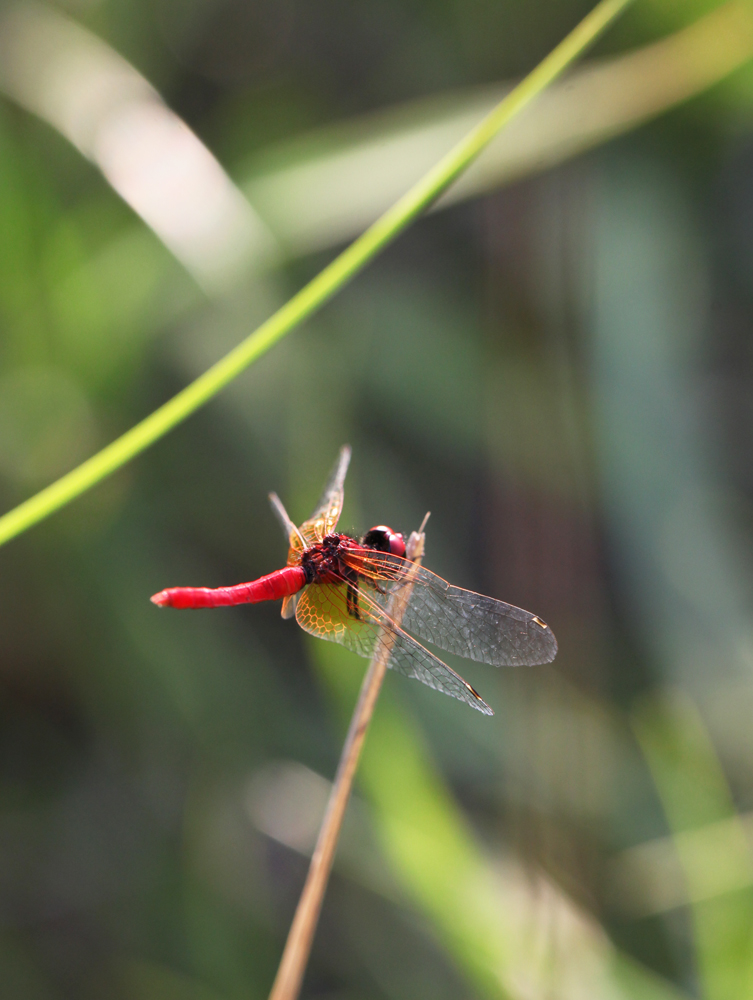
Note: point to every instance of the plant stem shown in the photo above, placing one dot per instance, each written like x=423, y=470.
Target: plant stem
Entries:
x=295, y=956
x=318, y=291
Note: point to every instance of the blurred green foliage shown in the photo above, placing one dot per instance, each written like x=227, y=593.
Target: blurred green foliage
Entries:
x=695, y=795
x=559, y=371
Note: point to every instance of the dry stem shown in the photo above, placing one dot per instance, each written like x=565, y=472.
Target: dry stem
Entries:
x=289, y=976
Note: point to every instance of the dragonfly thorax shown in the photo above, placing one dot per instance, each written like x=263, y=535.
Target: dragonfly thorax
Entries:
x=323, y=563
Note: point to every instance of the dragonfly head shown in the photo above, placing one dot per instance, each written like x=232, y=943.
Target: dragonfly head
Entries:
x=384, y=539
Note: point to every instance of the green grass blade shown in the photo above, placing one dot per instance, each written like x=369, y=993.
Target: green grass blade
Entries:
x=316, y=292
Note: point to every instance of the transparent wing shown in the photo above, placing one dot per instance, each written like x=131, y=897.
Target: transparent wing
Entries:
x=460, y=621
x=321, y=522
x=327, y=513
x=330, y=611
x=295, y=550
x=289, y=604
x=289, y=529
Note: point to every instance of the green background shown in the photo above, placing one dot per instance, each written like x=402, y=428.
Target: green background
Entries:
x=560, y=370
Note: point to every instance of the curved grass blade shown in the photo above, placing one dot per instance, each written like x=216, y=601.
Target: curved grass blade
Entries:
x=319, y=290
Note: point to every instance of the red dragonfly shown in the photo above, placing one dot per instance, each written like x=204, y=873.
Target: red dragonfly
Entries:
x=339, y=588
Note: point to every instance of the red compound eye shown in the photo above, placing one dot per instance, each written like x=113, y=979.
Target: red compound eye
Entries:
x=397, y=544
x=384, y=539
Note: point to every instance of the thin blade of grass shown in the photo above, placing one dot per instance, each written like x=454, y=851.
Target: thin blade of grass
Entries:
x=508, y=929
x=318, y=291
x=295, y=956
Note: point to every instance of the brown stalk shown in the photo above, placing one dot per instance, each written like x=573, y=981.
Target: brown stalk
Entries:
x=295, y=956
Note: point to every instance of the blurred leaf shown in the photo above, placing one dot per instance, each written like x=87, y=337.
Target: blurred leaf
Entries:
x=324, y=188
x=649, y=879
x=58, y=70
x=46, y=424
x=327, y=187
x=489, y=919
x=694, y=793
x=104, y=303
x=25, y=211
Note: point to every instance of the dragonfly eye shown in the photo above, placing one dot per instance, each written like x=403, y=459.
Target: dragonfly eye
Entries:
x=384, y=539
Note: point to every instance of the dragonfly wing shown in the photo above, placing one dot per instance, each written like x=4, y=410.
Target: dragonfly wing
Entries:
x=323, y=610
x=332, y=498
x=476, y=626
x=328, y=611
x=328, y=510
x=292, y=534
x=289, y=605
x=411, y=659
x=460, y=621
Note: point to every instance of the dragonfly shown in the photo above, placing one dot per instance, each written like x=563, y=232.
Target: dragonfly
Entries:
x=340, y=588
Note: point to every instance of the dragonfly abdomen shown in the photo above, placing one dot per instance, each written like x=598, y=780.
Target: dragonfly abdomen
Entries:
x=281, y=583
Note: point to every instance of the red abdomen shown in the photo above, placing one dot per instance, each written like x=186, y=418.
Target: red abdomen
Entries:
x=281, y=583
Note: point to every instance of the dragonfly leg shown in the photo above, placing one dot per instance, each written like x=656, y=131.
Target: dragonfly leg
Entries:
x=352, y=601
